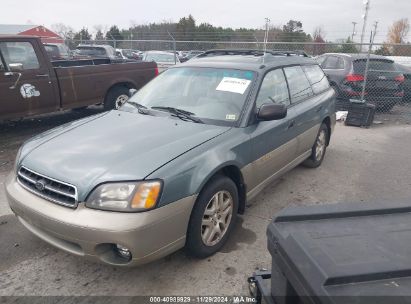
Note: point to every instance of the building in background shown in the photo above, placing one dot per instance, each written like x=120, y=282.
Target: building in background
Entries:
x=46, y=35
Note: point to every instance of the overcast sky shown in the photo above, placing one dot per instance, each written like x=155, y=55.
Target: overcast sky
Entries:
x=335, y=17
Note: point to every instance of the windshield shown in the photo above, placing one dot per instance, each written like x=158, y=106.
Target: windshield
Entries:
x=216, y=96
x=91, y=51
x=160, y=57
x=128, y=53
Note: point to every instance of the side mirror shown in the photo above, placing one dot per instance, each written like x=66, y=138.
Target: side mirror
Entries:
x=272, y=111
x=16, y=67
x=131, y=92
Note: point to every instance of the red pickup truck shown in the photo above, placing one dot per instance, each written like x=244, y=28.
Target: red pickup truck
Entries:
x=31, y=84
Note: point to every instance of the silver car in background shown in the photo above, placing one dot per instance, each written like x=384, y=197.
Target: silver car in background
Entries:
x=164, y=60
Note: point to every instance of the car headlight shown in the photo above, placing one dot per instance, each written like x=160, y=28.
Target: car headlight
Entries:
x=126, y=196
x=17, y=160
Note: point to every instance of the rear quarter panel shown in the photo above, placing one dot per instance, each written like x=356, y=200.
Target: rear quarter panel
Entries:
x=87, y=85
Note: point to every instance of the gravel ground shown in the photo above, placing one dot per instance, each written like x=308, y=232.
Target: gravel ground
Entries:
x=361, y=165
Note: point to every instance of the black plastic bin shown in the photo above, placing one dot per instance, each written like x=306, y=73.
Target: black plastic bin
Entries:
x=342, y=253
x=360, y=114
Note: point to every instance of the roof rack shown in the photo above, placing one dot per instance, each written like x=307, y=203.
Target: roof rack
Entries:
x=223, y=52
x=290, y=53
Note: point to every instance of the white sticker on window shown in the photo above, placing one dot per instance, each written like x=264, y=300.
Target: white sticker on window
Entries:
x=234, y=85
x=230, y=117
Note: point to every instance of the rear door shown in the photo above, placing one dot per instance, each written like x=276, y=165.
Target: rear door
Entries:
x=26, y=86
x=306, y=107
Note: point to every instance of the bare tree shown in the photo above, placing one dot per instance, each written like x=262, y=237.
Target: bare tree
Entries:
x=319, y=34
x=64, y=31
x=319, y=38
x=399, y=31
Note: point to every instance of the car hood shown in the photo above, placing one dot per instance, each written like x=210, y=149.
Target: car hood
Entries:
x=118, y=146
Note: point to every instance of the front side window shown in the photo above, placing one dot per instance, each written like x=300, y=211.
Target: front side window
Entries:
x=298, y=83
x=216, y=96
x=19, y=53
x=273, y=89
x=317, y=78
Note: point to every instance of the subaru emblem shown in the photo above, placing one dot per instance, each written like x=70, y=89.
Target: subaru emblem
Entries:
x=40, y=185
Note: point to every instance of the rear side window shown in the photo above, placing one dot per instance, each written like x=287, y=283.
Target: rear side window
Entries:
x=321, y=59
x=334, y=63
x=273, y=89
x=375, y=65
x=317, y=78
x=20, y=53
x=298, y=83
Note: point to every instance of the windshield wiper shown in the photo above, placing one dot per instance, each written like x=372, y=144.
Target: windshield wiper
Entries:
x=141, y=109
x=182, y=114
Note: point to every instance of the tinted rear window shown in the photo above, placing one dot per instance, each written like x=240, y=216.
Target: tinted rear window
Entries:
x=375, y=65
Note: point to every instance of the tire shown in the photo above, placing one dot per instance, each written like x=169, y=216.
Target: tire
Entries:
x=385, y=108
x=316, y=158
x=116, y=97
x=201, y=242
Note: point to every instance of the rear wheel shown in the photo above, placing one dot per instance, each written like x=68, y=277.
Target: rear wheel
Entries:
x=116, y=97
x=319, y=148
x=212, y=218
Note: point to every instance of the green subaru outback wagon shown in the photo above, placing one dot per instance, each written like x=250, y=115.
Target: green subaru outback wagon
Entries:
x=175, y=165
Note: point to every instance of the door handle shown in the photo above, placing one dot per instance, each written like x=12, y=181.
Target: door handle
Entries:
x=10, y=74
x=42, y=75
x=291, y=124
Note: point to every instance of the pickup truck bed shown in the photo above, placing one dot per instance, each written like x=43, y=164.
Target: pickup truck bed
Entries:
x=31, y=84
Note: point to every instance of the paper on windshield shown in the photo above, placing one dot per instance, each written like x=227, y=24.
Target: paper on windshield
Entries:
x=234, y=85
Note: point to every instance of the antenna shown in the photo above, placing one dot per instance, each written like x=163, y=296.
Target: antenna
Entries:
x=267, y=21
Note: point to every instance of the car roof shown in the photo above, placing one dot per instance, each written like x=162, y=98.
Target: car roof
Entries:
x=355, y=56
x=104, y=46
x=253, y=60
x=158, y=52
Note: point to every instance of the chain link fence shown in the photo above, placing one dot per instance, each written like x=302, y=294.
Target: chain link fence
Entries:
x=382, y=79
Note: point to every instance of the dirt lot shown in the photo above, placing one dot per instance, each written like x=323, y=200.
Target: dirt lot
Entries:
x=361, y=165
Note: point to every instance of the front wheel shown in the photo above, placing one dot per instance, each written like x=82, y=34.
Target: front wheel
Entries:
x=319, y=148
x=116, y=97
x=213, y=217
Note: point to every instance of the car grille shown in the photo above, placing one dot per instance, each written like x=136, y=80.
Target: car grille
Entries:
x=53, y=190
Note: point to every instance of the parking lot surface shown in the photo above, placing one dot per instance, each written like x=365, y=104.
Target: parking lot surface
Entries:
x=361, y=166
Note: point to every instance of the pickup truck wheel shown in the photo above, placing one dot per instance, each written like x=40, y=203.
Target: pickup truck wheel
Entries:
x=318, y=149
x=213, y=217
x=116, y=97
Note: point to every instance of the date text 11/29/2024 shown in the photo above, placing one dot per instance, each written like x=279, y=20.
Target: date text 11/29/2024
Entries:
x=202, y=299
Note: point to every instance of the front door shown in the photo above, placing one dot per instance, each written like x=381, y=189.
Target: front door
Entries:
x=273, y=143
x=26, y=86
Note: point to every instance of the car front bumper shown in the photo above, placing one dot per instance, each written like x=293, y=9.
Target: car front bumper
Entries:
x=93, y=233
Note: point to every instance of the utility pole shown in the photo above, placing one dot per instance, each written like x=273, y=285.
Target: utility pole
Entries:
x=174, y=47
x=267, y=21
x=353, y=31
x=367, y=65
x=364, y=25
